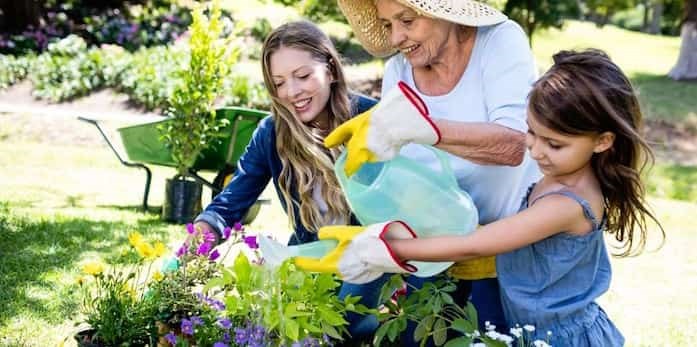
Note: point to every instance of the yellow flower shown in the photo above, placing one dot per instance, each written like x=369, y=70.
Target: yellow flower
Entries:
x=160, y=249
x=135, y=238
x=93, y=268
x=145, y=250
x=157, y=276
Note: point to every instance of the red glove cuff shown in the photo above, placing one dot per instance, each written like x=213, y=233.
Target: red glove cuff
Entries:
x=405, y=233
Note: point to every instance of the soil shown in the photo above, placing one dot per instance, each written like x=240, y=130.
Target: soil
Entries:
x=23, y=117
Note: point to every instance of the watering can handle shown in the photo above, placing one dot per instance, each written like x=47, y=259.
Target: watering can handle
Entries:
x=446, y=171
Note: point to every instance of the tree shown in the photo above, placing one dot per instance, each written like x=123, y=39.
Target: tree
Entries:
x=600, y=11
x=538, y=14
x=686, y=67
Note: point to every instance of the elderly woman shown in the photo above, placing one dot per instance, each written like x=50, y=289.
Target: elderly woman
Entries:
x=468, y=71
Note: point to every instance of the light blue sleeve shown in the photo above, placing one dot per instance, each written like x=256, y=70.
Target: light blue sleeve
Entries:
x=508, y=72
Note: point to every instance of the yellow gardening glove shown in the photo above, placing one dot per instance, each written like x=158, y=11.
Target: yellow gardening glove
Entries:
x=362, y=253
x=474, y=269
x=378, y=134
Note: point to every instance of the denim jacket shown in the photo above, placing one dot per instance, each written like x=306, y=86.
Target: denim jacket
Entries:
x=258, y=164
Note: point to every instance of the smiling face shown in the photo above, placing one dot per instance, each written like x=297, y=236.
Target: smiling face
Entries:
x=562, y=155
x=420, y=39
x=302, y=84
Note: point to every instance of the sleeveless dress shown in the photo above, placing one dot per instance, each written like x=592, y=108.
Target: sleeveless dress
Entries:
x=552, y=284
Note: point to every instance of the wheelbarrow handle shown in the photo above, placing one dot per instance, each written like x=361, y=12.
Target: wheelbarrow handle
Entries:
x=148, y=173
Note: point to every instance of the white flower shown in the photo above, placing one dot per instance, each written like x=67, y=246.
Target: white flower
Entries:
x=529, y=328
x=505, y=338
x=492, y=334
x=540, y=343
x=517, y=332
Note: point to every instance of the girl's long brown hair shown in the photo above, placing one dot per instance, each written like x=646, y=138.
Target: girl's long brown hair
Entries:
x=306, y=162
x=585, y=93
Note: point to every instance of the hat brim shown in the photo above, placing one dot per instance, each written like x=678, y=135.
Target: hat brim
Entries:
x=362, y=17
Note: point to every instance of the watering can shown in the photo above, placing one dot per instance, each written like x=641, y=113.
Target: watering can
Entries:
x=429, y=200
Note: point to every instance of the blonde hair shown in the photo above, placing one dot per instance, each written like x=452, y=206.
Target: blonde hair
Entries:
x=305, y=160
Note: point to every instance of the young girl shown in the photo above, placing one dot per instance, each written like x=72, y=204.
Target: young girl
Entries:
x=552, y=262
x=303, y=74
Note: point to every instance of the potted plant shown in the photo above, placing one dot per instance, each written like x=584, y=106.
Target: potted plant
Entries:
x=193, y=123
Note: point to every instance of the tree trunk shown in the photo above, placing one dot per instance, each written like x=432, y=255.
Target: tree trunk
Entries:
x=17, y=15
x=656, y=14
x=686, y=67
x=645, y=20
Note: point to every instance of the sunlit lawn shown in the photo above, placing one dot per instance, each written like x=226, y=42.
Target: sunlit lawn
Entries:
x=61, y=204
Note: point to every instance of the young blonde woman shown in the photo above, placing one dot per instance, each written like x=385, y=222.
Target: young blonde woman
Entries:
x=310, y=98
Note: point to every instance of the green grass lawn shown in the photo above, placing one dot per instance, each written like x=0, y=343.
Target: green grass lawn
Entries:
x=646, y=59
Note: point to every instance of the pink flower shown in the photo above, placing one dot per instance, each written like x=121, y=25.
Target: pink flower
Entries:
x=204, y=248
x=238, y=226
x=190, y=228
x=251, y=242
x=214, y=255
x=226, y=233
x=182, y=250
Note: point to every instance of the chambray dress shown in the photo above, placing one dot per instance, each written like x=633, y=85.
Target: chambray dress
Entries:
x=553, y=283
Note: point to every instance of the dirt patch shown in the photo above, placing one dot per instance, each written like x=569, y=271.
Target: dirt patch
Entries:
x=24, y=118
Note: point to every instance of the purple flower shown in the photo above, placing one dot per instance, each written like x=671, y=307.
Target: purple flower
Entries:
x=251, y=242
x=220, y=344
x=225, y=323
x=196, y=320
x=190, y=228
x=204, y=248
x=216, y=304
x=187, y=327
x=226, y=233
x=214, y=255
x=238, y=226
x=226, y=337
x=171, y=338
x=241, y=336
x=208, y=236
x=182, y=250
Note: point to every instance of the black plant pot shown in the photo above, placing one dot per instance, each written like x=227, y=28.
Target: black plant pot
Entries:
x=182, y=200
x=84, y=339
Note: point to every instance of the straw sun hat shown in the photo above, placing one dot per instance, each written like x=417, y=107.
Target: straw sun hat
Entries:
x=362, y=16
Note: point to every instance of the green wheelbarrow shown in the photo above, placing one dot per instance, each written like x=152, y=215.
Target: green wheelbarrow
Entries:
x=143, y=146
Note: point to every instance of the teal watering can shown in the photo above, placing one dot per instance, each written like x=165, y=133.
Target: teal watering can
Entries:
x=429, y=200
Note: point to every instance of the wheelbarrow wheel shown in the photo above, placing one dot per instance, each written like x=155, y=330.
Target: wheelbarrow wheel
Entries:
x=222, y=179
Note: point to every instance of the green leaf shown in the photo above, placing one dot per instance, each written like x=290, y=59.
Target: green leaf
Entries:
x=331, y=317
x=423, y=328
x=243, y=270
x=330, y=330
x=462, y=325
x=292, y=330
x=472, y=313
x=459, y=342
x=292, y=311
x=440, y=333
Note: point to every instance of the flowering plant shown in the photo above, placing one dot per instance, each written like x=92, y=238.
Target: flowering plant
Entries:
x=115, y=301
x=435, y=312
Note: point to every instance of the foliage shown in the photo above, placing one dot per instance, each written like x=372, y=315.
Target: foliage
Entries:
x=600, y=11
x=241, y=91
x=153, y=85
x=126, y=23
x=321, y=11
x=289, y=304
x=440, y=320
x=66, y=70
x=14, y=69
x=115, y=302
x=540, y=14
x=194, y=122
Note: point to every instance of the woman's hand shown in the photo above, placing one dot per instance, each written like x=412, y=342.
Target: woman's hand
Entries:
x=363, y=253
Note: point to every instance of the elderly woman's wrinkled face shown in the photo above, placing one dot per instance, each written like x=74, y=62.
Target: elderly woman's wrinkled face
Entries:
x=421, y=39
